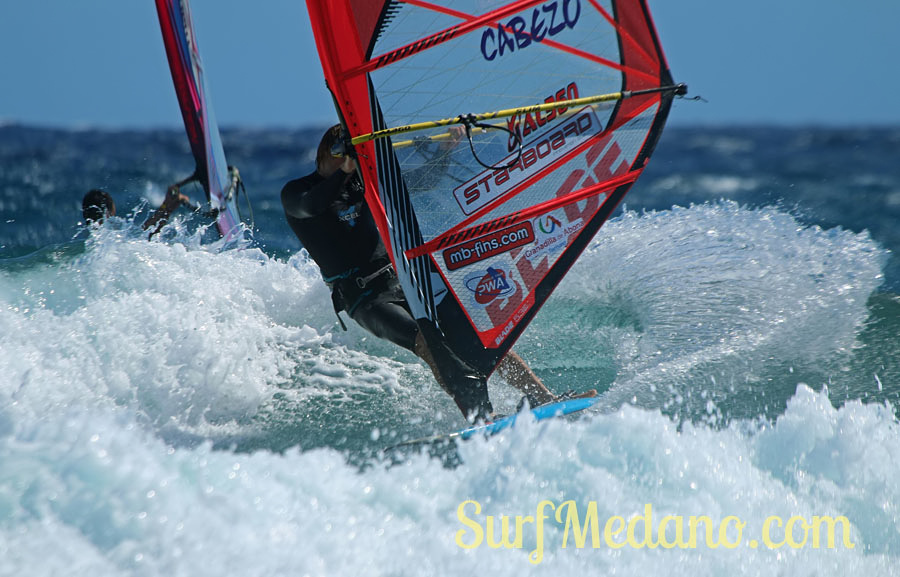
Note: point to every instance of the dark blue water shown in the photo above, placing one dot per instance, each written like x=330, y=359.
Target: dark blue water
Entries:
x=827, y=177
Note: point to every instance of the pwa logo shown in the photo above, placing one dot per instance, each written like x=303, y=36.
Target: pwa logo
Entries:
x=489, y=285
x=548, y=224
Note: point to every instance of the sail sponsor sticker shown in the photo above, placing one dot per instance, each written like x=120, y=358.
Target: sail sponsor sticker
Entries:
x=489, y=185
x=489, y=246
x=552, y=232
x=524, y=125
x=489, y=284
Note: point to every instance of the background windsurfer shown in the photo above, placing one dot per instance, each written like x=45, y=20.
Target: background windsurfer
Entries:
x=327, y=211
x=97, y=205
x=173, y=201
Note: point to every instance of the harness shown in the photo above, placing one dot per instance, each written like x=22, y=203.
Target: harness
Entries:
x=353, y=287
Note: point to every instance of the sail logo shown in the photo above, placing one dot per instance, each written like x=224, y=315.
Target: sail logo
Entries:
x=551, y=148
x=553, y=240
x=488, y=246
x=552, y=235
x=548, y=224
x=521, y=126
x=519, y=32
x=489, y=285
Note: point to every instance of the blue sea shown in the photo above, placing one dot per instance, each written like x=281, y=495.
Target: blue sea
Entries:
x=180, y=407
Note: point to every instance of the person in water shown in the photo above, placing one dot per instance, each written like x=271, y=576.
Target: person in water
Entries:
x=98, y=205
x=327, y=212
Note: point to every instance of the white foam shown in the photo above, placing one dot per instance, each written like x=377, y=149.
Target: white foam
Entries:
x=119, y=369
x=138, y=325
x=717, y=290
x=93, y=493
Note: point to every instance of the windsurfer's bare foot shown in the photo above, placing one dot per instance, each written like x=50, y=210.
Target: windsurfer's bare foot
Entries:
x=573, y=395
x=521, y=377
x=567, y=396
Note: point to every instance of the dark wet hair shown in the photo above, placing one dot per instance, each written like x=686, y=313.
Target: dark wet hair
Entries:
x=328, y=139
x=96, y=205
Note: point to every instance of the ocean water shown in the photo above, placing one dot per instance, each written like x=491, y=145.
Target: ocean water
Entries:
x=177, y=407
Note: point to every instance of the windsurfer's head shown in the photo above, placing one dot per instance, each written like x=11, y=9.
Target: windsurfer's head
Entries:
x=97, y=205
x=324, y=155
x=331, y=156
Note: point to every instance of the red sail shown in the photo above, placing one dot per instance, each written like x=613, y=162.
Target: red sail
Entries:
x=196, y=110
x=482, y=231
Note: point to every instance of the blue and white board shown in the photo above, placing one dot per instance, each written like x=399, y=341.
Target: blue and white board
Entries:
x=542, y=413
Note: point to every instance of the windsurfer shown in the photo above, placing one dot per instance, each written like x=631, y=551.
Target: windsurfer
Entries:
x=173, y=201
x=98, y=205
x=328, y=213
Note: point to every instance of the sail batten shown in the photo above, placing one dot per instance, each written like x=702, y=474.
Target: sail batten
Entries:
x=482, y=227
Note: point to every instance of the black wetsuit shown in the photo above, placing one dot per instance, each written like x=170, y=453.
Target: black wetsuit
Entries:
x=335, y=225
